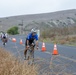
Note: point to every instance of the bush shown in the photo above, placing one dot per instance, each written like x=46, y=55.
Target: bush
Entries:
x=13, y=30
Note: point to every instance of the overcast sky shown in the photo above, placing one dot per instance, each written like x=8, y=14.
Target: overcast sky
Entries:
x=24, y=7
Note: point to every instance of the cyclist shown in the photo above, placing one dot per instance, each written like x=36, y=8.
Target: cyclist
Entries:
x=4, y=37
x=31, y=38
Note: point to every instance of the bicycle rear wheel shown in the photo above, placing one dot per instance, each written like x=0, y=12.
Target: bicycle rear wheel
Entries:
x=30, y=56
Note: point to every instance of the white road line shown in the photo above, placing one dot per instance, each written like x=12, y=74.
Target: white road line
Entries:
x=68, y=58
x=61, y=56
x=48, y=52
x=64, y=57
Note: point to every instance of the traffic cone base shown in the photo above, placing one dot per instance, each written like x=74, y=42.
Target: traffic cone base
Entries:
x=55, y=51
x=21, y=41
x=13, y=40
x=43, y=49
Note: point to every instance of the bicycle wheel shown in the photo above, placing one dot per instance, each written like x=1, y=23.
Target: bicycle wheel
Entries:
x=4, y=44
x=30, y=56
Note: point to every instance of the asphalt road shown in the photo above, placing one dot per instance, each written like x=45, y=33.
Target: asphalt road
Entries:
x=66, y=59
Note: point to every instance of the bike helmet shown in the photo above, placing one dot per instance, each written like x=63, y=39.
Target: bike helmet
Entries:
x=33, y=31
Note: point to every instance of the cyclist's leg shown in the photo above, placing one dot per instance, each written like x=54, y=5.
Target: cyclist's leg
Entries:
x=25, y=51
x=6, y=40
x=33, y=45
x=32, y=55
x=3, y=40
x=33, y=52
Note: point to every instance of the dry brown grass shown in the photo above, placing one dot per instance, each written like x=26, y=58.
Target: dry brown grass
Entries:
x=11, y=66
x=64, y=35
x=69, y=40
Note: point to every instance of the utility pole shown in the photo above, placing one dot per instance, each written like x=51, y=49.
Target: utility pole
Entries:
x=21, y=27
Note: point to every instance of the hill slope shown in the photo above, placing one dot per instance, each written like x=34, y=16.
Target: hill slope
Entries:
x=58, y=19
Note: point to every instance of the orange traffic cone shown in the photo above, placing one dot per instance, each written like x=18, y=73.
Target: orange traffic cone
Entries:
x=13, y=40
x=21, y=41
x=43, y=47
x=55, y=51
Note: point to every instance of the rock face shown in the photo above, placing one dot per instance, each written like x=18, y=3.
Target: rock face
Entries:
x=39, y=21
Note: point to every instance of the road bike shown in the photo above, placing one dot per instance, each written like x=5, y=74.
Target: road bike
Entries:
x=30, y=54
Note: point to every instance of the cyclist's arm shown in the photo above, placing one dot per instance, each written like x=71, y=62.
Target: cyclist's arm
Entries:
x=37, y=41
x=27, y=42
x=28, y=37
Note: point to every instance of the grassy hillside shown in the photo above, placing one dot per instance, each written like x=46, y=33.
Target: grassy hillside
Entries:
x=9, y=65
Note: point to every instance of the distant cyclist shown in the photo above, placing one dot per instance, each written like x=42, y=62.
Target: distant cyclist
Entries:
x=31, y=38
x=4, y=37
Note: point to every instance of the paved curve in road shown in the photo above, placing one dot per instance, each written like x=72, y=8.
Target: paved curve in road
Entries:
x=67, y=54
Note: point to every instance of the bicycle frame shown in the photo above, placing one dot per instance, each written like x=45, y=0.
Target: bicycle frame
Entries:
x=30, y=54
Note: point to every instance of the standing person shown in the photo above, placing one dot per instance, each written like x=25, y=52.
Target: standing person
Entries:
x=31, y=38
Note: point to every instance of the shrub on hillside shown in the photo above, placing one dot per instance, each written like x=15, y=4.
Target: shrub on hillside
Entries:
x=13, y=30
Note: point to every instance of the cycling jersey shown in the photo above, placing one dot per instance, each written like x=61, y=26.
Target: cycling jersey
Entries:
x=30, y=37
